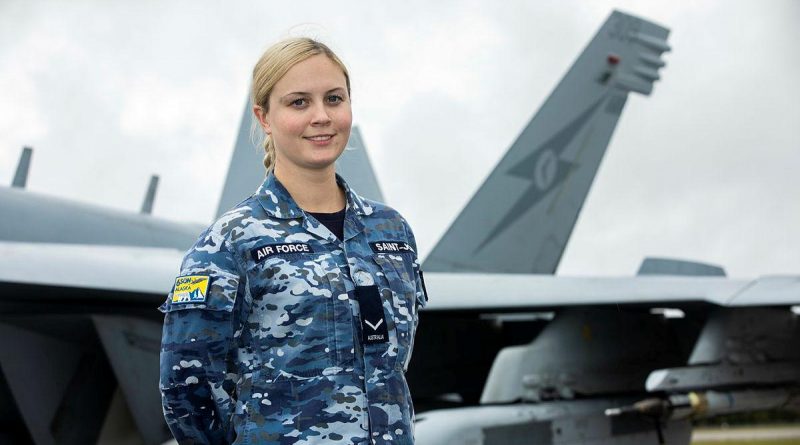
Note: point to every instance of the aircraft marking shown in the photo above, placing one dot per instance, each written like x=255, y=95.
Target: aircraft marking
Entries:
x=548, y=170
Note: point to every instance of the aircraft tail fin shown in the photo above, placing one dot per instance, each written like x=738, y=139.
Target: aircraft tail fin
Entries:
x=520, y=219
x=21, y=175
x=355, y=167
x=246, y=169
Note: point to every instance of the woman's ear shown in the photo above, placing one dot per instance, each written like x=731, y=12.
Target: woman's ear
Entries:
x=263, y=118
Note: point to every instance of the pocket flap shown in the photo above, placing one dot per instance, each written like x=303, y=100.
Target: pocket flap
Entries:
x=398, y=270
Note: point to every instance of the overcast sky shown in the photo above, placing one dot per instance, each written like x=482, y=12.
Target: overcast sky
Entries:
x=706, y=168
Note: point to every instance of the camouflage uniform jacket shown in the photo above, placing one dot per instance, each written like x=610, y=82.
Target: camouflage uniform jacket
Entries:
x=263, y=341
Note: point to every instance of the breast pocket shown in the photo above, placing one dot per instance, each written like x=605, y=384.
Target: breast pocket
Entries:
x=397, y=270
x=290, y=323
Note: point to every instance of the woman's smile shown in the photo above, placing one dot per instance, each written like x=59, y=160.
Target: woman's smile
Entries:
x=321, y=139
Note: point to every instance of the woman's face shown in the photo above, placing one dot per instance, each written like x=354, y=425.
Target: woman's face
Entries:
x=309, y=115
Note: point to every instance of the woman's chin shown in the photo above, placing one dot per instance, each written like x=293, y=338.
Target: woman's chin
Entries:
x=323, y=160
x=318, y=164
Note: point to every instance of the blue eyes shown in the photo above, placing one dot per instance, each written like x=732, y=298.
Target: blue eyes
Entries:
x=333, y=99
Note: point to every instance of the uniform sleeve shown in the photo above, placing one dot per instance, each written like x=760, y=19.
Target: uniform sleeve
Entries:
x=197, y=380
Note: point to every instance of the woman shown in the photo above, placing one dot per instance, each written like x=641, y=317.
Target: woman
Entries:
x=294, y=314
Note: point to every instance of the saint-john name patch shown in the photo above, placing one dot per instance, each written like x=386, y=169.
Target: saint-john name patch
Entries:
x=264, y=252
x=391, y=247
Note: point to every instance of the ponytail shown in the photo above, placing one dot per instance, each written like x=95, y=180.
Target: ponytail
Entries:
x=269, y=153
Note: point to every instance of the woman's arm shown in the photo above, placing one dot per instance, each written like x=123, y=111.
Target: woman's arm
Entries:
x=197, y=387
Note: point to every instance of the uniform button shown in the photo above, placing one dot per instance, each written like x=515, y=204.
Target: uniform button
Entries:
x=363, y=278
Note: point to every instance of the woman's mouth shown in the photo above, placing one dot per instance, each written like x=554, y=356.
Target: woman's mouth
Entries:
x=320, y=138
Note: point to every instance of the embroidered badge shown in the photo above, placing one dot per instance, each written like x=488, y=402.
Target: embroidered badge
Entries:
x=391, y=247
x=264, y=252
x=190, y=289
x=373, y=323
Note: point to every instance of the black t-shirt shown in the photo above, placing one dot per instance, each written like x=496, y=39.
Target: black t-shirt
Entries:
x=333, y=221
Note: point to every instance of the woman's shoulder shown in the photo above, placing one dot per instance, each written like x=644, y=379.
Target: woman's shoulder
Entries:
x=379, y=210
x=381, y=213
x=234, y=221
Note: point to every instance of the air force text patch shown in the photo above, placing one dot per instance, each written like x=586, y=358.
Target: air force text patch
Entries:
x=264, y=252
x=391, y=247
x=190, y=289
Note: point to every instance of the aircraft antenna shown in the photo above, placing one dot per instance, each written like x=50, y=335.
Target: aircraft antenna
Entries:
x=147, y=205
x=21, y=176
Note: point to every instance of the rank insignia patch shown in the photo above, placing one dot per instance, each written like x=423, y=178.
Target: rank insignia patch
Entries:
x=373, y=326
x=190, y=289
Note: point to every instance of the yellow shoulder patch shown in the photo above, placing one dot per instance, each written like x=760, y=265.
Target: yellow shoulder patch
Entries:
x=190, y=289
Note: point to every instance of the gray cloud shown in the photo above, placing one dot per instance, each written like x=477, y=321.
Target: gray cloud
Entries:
x=110, y=92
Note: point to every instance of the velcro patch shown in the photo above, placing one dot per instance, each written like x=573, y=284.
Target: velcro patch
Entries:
x=264, y=252
x=391, y=247
x=190, y=289
x=373, y=321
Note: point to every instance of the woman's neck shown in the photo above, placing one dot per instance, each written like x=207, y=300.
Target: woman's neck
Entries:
x=312, y=190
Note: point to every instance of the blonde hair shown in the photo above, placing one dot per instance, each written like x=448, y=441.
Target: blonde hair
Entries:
x=276, y=61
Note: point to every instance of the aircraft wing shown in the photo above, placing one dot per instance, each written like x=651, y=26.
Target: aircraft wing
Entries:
x=104, y=299
x=36, y=273
x=151, y=271
x=70, y=311
x=507, y=292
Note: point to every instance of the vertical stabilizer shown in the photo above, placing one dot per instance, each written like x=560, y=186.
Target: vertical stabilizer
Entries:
x=355, y=167
x=246, y=169
x=520, y=219
x=21, y=176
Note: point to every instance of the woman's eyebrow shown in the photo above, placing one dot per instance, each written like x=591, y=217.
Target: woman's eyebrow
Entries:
x=296, y=93
x=303, y=93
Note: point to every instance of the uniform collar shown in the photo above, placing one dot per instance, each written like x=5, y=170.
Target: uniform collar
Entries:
x=278, y=203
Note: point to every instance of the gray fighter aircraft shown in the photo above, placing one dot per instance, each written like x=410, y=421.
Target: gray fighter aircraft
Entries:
x=506, y=353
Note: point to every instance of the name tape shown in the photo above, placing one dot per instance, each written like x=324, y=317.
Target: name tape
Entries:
x=391, y=247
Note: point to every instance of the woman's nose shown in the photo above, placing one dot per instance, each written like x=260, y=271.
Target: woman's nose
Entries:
x=320, y=116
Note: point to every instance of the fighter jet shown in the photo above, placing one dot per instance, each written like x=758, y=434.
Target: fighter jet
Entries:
x=506, y=352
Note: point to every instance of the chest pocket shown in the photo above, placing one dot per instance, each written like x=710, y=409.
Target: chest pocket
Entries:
x=398, y=272
x=290, y=323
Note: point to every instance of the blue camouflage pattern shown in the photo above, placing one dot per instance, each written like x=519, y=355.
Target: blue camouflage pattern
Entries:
x=274, y=353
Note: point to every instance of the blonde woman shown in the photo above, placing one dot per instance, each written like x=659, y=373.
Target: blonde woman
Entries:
x=293, y=318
